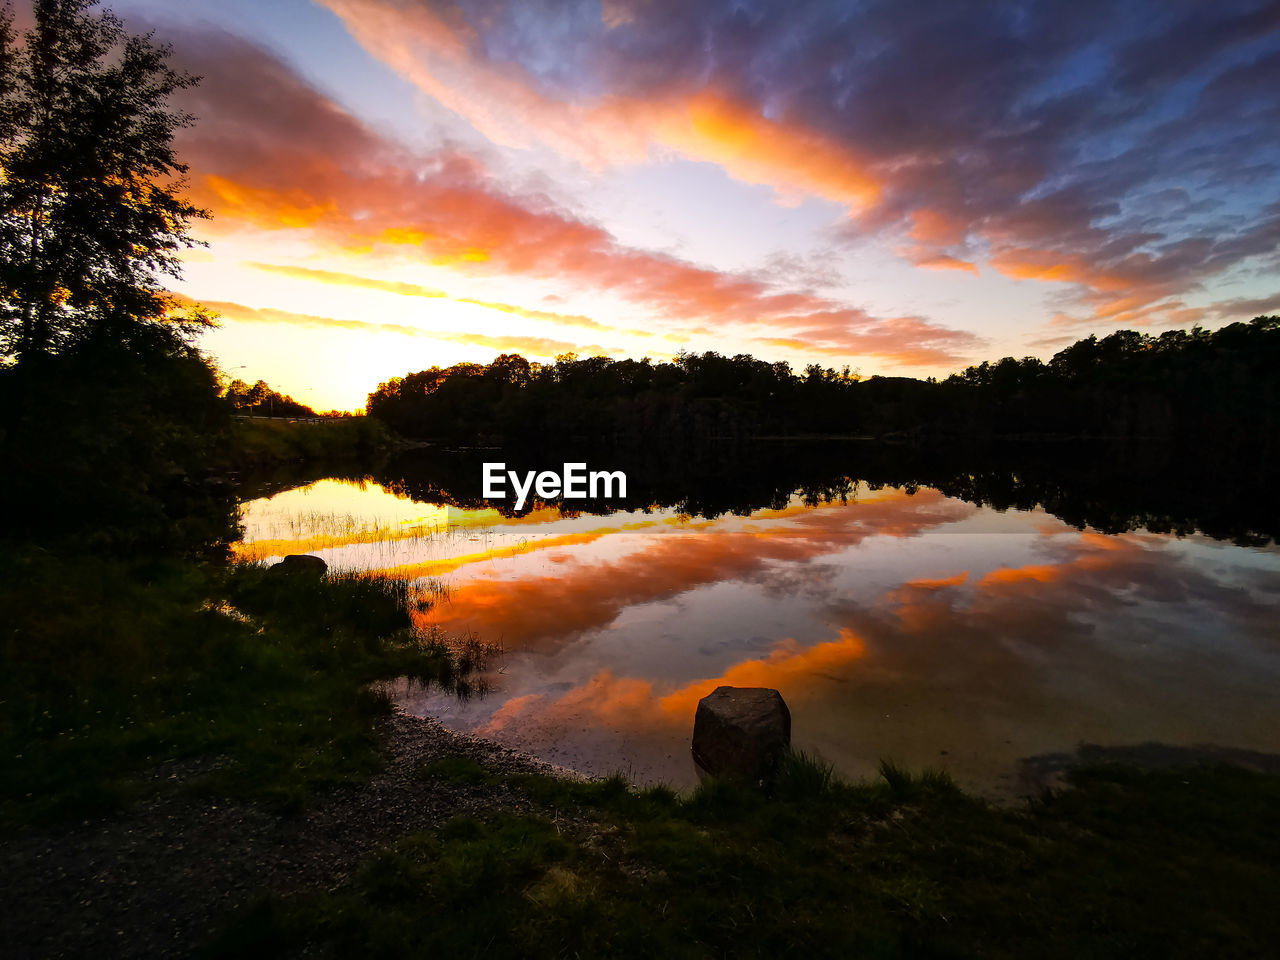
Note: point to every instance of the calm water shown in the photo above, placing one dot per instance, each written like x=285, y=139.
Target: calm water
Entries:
x=897, y=623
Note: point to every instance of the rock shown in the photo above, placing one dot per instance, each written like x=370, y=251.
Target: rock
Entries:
x=302, y=563
x=741, y=731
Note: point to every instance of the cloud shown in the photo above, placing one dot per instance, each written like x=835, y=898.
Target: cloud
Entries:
x=550, y=316
x=245, y=314
x=531, y=346
x=794, y=160
x=350, y=280
x=402, y=289
x=439, y=50
x=1246, y=308
x=910, y=340
x=257, y=167
x=1090, y=146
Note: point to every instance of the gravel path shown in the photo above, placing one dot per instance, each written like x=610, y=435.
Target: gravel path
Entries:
x=161, y=878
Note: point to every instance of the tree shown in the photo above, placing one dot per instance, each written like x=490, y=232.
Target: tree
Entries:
x=260, y=400
x=106, y=407
x=92, y=218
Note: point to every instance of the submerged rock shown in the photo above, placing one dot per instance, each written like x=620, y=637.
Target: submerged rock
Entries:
x=741, y=731
x=302, y=563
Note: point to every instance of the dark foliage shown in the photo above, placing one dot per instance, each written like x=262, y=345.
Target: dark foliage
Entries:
x=1212, y=487
x=108, y=447
x=1180, y=384
x=1121, y=863
x=260, y=400
x=91, y=213
x=109, y=419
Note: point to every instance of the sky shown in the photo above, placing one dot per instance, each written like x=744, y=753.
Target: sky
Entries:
x=902, y=188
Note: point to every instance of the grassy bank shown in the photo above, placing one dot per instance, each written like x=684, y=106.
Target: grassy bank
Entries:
x=115, y=667
x=1122, y=863
x=257, y=442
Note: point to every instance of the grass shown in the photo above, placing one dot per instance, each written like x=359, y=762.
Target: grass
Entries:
x=1122, y=863
x=113, y=668
x=460, y=770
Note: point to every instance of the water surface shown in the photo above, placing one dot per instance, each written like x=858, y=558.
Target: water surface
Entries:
x=897, y=622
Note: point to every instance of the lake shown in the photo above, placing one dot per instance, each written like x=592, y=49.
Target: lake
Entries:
x=967, y=630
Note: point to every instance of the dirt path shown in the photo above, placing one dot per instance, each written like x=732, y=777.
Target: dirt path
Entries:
x=161, y=878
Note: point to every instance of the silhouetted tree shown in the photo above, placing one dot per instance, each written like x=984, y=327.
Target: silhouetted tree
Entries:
x=262, y=401
x=106, y=407
x=91, y=213
x=1218, y=386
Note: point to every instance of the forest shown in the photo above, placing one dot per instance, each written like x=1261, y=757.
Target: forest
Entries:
x=1183, y=384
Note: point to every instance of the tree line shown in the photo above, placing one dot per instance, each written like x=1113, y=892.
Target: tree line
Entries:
x=260, y=400
x=1218, y=384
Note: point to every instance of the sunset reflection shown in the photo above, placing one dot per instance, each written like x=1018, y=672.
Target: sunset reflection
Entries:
x=897, y=624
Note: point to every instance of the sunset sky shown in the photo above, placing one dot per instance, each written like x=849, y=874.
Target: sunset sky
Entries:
x=904, y=188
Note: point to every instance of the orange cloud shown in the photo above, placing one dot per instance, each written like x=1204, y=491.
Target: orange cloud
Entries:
x=350, y=280
x=1135, y=290
x=750, y=147
x=266, y=206
x=933, y=233
x=903, y=340
x=402, y=289
x=946, y=262
x=563, y=319
x=532, y=346
x=244, y=314
x=444, y=57
x=933, y=227
x=1050, y=265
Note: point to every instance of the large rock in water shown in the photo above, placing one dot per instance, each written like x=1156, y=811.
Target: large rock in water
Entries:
x=302, y=563
x=741, y=731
